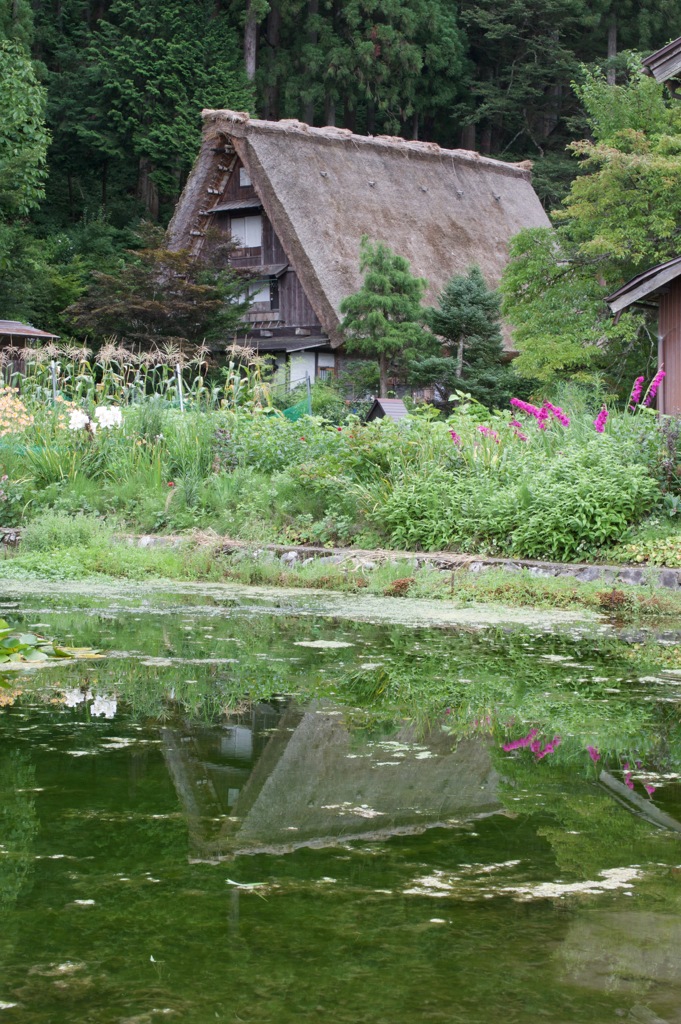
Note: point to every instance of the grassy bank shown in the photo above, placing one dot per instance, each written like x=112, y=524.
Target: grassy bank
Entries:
x=61, y=548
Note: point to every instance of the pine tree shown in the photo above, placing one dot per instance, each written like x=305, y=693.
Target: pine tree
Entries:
x=467, y=321
x=384, y=319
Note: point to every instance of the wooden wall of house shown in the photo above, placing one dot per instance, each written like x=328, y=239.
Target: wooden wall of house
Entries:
x=669, y=326
x=294, y=308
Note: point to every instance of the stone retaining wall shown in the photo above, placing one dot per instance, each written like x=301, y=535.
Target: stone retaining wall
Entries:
x=301, y=554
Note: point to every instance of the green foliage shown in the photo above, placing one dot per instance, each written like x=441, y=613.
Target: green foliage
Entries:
x=467, y=321
x=620, y=216
x=23, y=136
x=159, y=297
x=383, y=320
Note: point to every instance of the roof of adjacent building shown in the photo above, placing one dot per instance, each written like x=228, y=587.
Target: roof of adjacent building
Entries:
x=645, y=286
x=324, y=188
x=15, y=329
x=665, y=63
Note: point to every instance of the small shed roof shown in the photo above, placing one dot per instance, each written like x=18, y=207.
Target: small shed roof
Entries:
x=393, y=408
x=15, y=329
x=287, y=344
x=665, y=64
x=645, y=286
x=235, y=204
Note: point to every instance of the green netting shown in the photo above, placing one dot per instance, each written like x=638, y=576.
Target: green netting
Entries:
x=296, y=411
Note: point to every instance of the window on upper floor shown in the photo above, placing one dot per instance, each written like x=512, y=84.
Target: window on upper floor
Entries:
x=247, y=231
x=244, y=178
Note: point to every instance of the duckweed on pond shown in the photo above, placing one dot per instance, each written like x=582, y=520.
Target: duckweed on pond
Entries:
x=245, y=813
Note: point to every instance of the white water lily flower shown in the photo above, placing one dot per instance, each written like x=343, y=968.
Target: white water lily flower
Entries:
x=108, y=416
x=78, y=419
x=104, y=707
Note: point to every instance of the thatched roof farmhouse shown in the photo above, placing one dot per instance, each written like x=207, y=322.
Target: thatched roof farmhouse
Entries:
x=299, y=200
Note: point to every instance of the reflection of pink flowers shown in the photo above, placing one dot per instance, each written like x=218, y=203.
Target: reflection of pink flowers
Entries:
x=525, y=741
x=593, y=754
x=649, y=788
x=549, y=748
x=601, y=420
x=536, y=746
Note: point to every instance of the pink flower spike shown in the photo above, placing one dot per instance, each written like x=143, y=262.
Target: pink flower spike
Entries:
x=455, y=438
x=655, y=383
x=601, y=420
x=593, y=754
x=525, y=407
x=558, y=413
x=649, y=789
x=627, y=780
x=635, y=395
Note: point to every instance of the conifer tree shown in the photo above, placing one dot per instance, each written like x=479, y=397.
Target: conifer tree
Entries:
x=467, y=321
x=384, y=319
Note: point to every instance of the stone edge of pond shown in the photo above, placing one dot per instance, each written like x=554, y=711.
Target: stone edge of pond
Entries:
x=291, y=555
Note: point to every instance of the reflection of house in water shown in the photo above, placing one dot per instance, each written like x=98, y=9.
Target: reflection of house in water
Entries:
x=283, y=777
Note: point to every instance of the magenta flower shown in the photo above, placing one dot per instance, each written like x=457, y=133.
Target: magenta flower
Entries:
x=525, y=407
x=593, y=754
x=654, y=385
x=455, y=438
x=517, y=430
x=649, y=788
x=543, y=418
x=636, y=393
x=601, y=420
x=488, y=432
x=628, y=780
x=556, y=411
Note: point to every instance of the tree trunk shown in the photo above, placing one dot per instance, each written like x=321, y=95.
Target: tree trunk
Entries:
x=468, y=136
x=250, y=41
x=146, y=187
x=383, y=375
x=330, y=111
x=612, y=48
x=459, y=359
x=273, y=43
x=415, y=126
x=371, y=117
x=313, y=40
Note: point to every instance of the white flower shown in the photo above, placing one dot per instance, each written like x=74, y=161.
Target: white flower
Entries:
x=104, y=707
x=78, y=419
x=73, y=697
x=108, y=416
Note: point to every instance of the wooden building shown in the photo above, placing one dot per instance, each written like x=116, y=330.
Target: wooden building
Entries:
x=659, y=287
x=299, y=199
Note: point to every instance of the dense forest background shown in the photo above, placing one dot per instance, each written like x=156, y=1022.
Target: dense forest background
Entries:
x=100, y=102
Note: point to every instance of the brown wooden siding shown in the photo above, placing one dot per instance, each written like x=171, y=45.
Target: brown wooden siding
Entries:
x=669, y=395
x=294, y=307
x=236, y=191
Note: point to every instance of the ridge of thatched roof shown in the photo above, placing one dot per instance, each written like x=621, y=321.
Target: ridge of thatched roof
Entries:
x=323, y=188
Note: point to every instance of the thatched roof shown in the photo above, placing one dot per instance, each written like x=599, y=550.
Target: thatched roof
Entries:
x=323, y=188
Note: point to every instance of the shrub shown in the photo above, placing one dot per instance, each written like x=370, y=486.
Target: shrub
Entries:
x=53, y=530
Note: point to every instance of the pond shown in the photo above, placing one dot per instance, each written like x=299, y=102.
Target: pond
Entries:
x=259, y=809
